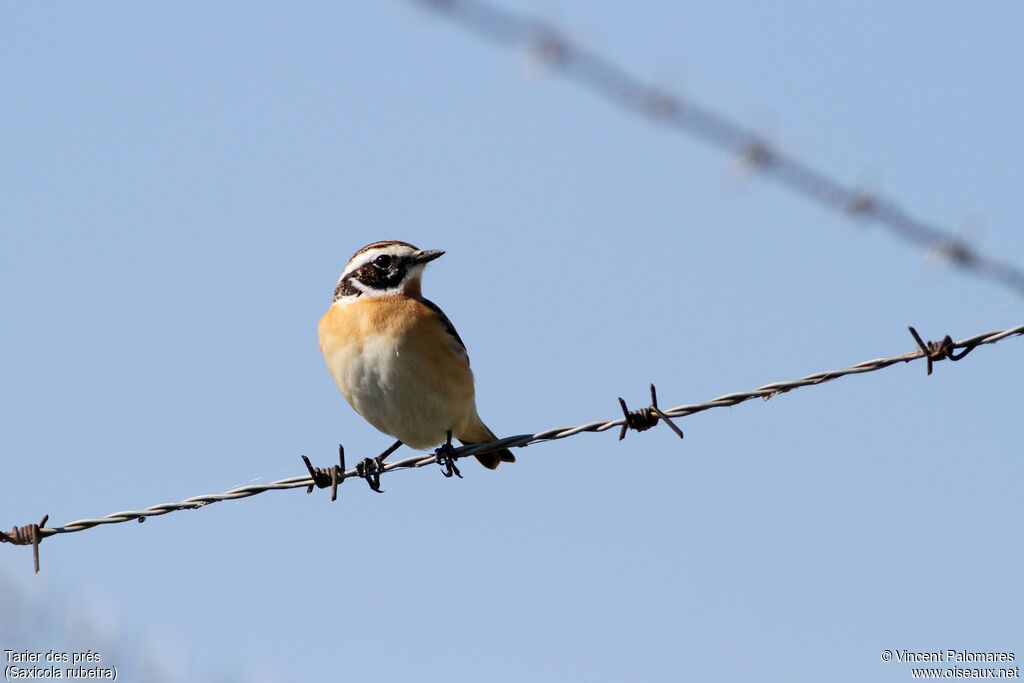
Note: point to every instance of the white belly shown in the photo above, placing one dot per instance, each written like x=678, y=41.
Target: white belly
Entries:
x=397, y=389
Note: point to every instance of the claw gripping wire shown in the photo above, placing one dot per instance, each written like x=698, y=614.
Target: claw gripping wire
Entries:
x=446, y=458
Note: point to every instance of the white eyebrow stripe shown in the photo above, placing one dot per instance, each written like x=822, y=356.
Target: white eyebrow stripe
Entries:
x=364, y=258
x=398, y=250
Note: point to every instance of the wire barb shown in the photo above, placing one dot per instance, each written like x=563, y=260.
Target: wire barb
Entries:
x=25, y=535
x=943, y=350
x=645, y=418
x=332, y=476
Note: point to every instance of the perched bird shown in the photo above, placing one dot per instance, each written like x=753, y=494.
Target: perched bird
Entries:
x=397, y=358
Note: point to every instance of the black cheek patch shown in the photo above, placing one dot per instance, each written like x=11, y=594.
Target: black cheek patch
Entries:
x=394, y=275
x=345, y=288
x=375, y=278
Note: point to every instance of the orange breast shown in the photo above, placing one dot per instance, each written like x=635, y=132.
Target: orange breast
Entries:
x=397, y=365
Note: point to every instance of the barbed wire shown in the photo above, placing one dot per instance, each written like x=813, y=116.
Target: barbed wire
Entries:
x=947, y=349
x=600, y=75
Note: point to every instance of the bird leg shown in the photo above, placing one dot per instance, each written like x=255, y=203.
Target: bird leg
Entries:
x=370, y=468
x=445, y=458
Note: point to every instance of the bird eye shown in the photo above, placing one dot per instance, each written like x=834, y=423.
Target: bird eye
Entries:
x=382, y=261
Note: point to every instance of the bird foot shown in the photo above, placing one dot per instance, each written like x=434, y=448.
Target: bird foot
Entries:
x=445, y=458
x=370, y=470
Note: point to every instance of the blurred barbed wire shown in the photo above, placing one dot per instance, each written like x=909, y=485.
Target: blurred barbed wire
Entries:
x=641, y=419
x=556, y=51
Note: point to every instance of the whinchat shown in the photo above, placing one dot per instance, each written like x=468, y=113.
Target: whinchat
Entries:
x=397, y=358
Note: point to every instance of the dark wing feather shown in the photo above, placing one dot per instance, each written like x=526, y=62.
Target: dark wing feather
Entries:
x=444, y=319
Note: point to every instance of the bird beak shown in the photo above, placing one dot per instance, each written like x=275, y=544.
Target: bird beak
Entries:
x=427, y=256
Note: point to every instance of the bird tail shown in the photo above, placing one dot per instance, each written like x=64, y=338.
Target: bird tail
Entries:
x=479, y=433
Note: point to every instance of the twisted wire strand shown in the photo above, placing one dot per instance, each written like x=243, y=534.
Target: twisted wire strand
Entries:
x=420, y=460
x=601, y=76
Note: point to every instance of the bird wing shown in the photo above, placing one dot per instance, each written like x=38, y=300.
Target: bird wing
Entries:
x=447, y=323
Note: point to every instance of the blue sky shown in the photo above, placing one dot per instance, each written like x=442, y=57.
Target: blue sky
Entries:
x=182, y=185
